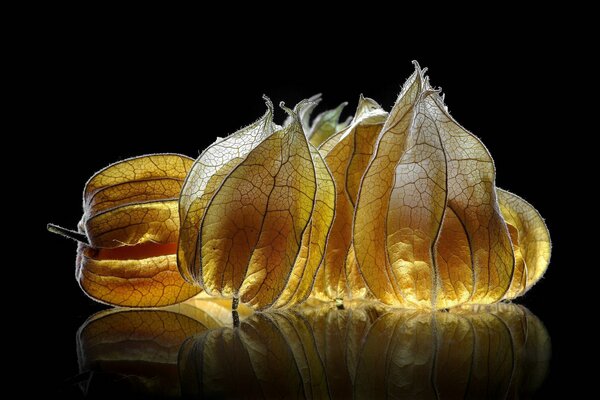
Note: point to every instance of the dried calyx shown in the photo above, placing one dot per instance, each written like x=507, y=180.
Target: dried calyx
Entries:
x=400, y=207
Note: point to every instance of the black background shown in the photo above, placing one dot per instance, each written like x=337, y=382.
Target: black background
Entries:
x=103, y=93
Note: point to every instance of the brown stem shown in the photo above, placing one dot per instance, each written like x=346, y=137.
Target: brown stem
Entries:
x=68, y=233
x=236, y=319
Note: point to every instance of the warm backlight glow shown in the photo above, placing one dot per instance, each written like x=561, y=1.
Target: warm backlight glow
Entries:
x=400, y=207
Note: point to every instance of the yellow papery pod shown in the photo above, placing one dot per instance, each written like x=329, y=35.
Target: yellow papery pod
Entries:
x=129, y=230
x=258, y=232
x=530, y=237
x=326, y=125
x=347, y=154
x=204, y=180
x=428, y=232
x=519, y=279
x=314, y=240
x=446, y=168
x=370, y=216
x=400, y=207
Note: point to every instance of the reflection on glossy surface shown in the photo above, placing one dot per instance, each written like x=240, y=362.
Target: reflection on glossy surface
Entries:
x=363, y=351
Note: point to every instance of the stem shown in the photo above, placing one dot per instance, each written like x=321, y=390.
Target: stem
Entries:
x=68, y=233
x=236, y=319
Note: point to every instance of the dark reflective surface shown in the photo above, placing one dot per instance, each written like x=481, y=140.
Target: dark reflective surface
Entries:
x=363, y=351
